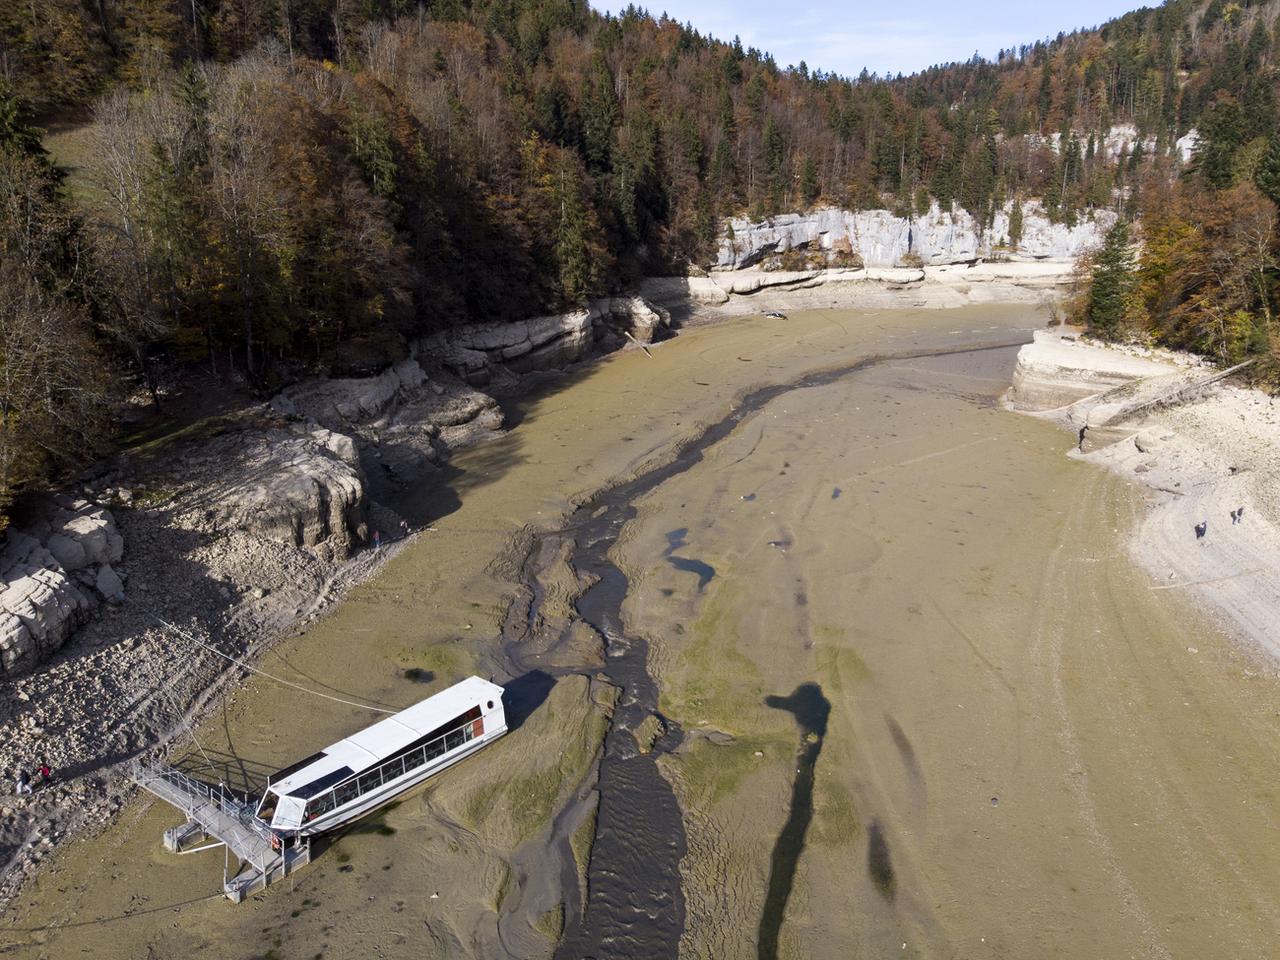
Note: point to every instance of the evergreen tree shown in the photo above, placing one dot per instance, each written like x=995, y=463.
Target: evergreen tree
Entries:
x=1112, y=282
x=1221, y=134
x=15, y=132
x=809, y=189
x=1044, y=97
x=577, y=260
x=773, y=158
x=728, y=122
x=599, y=114
x=723, y=176
x=1267, y=176
x=755, y=94
x=1015, y=224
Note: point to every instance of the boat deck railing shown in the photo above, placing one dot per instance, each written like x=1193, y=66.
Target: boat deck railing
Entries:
x=221, y=813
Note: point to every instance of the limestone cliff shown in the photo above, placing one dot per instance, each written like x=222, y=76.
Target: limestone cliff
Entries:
x=878, y=238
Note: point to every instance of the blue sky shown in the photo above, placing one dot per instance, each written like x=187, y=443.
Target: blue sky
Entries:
x=884, y=36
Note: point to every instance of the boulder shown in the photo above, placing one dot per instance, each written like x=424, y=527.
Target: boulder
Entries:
x=39, y=607
x=478, y=352
x=108, y=583
x=69, y=552
x=1148, y=441
x=337, y=403
x=67, y=543
x=674, y=290
x=299, y=484
x=636, y=316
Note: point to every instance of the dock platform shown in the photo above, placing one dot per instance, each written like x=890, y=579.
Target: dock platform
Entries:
x=220, y=813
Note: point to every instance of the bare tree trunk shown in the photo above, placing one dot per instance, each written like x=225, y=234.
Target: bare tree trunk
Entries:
x=195, y=31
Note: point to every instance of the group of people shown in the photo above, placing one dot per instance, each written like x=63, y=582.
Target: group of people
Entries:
x=23, y=782
x=1203, y=526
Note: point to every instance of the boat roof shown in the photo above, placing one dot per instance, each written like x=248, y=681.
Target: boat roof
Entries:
x=373, y=744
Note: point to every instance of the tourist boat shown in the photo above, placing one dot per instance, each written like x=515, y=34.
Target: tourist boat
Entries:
x=368, y=769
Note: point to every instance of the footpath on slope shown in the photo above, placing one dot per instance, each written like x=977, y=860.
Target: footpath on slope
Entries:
x=1203, y=453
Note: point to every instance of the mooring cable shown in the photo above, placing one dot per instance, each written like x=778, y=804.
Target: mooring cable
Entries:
x=252, y=669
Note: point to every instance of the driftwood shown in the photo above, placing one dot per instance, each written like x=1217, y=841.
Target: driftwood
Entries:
x=628, y=335
x=1177, y=395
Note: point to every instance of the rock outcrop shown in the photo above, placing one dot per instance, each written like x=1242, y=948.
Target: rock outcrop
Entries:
x=299, y=484
x=402, y=421
x=349, y=400
x=52, y=575
x=1053, y=372
x=478, y=352
x=950, y=285
x=878, y=238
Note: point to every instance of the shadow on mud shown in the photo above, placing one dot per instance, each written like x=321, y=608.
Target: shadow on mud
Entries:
x=522, y=696
x=811, y=710
x=704, y=571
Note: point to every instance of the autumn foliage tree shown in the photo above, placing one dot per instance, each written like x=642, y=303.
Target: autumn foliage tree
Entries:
x=53, y=383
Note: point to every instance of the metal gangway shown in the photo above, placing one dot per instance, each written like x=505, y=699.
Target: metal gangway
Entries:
x=227, y=817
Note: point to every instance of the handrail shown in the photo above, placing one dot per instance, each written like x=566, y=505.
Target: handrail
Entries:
x=221, y=796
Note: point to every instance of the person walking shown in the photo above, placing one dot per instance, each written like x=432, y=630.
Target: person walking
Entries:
x=46, y=773
x=23, y=784
x=1201, y=529
x=1083, y=430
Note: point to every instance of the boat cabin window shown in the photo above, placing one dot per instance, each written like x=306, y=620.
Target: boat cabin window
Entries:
x=267, y=809
x=444, y=738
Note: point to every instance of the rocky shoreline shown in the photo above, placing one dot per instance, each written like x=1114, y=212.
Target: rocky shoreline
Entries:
x=1202, y=449
x=726, y=293
x=242, y=530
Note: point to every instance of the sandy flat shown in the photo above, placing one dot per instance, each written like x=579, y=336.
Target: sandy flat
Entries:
x=1196, y=461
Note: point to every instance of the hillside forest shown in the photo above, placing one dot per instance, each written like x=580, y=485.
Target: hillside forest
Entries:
x=276, y=188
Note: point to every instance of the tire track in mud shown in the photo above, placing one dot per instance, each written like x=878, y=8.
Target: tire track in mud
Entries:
x=634, y=901
x=1047, y=647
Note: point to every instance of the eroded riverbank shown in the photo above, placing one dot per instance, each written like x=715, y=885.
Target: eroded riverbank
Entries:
x=929, y=561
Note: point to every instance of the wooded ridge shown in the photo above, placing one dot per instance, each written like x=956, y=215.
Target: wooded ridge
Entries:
x=278, y=188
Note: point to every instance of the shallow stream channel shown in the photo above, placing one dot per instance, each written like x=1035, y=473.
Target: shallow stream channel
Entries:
x=813, y=651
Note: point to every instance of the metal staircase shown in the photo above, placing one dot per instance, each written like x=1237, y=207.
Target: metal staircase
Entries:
x=227, y=817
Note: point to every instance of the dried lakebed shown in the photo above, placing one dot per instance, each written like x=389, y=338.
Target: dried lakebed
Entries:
x=874, y=671
x=634, y=905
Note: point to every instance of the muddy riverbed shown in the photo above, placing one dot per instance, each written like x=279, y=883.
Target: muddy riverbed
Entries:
x=868, y=667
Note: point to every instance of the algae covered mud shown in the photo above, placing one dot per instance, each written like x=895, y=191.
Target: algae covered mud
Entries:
x=826, y=653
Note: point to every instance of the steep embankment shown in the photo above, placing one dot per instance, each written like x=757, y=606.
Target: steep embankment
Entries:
x=1202, y=453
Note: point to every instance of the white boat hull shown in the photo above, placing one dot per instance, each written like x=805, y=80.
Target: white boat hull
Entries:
x=368, y=802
